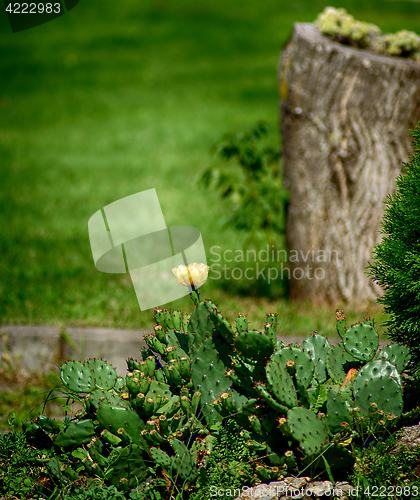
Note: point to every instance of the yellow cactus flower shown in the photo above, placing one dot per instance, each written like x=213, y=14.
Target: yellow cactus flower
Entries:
x=193, y=275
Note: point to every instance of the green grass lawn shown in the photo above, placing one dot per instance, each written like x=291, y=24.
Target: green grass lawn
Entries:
x=119, y=97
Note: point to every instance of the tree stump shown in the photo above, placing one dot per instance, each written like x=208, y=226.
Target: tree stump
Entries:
x=346, y=116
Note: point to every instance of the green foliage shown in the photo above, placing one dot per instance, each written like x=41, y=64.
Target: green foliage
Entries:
x=230, y=464
x=258, y=198
x=355, y=394
x=16, y=474
x=376, y=466
x=396, y=267
x=250, y=178
x=96, y=491
x=28, y=471
x=342, y=27
x=402, y=44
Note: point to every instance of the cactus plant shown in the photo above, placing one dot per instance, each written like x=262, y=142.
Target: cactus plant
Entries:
x=128, y=469
x=399, y=354
x=309, y=430
x=361, y=341
x=317, y=347
x=385, y=392
x=75, y=434
x=254, y=345
x=337, y=412
x=198, y=371
x=87, y=376
x=122, y=422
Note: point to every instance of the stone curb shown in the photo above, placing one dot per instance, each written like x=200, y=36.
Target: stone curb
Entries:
x=303, y=488
x=42, y=347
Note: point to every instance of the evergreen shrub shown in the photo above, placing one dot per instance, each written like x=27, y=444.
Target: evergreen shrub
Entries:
x=397, y=258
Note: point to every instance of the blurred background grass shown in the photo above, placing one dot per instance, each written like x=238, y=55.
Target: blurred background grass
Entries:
x=119, y=97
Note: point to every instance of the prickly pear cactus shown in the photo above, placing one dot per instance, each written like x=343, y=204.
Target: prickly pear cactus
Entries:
x=128, y=468
x=385, y=392
x=309, y=430
x=318, y=377
x=254, y=345
x=87, y=376
x=122, y=422
x=338, y=412
x=77, y=377
x=76, y=433
x=338, y=363
x=198, y=371
x=398, y=354
x=317, y=347
x=361, y=341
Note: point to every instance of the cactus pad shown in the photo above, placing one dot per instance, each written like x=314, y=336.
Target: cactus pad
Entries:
x=361, y=341
x=376, y=369
x=241, y=323
x=254, y=345
x=337, y=412
x=104, y=375
x=384, y=391
x=124, y=423
x=208, y=376
x=264, y=394
x=281, y=383
x=338, y=360
x=76, y=434
x=307, y=429
x=317, y=346
x=182, y=462
x=179, y=340
x=128, y=469
x=222, y=326
x=398, y=354
x=77, y=377
x=161, y=457
x=158, y=388
x=302, y=362
x=99, y=397
x=340, y=322
x=200, y=325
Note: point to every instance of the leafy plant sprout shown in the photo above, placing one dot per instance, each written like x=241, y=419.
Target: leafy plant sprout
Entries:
x=255, y=189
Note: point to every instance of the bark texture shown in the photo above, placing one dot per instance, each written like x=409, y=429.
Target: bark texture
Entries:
x=346, y=116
